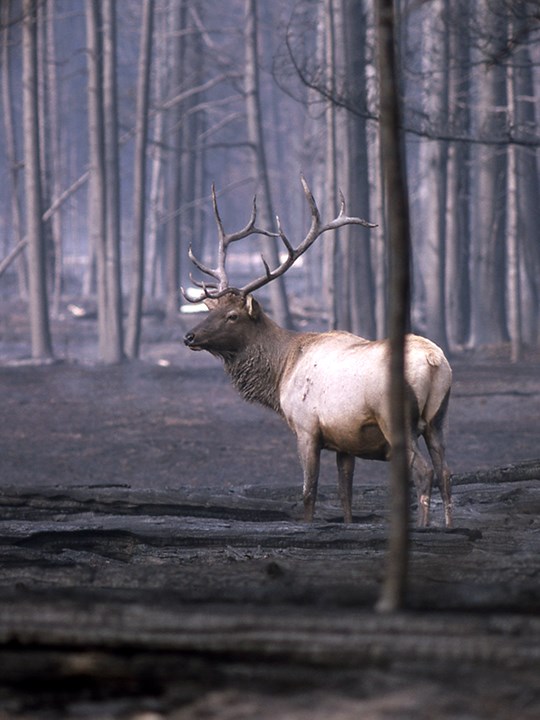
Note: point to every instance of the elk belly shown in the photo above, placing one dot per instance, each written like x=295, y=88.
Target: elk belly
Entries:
x=366, y=442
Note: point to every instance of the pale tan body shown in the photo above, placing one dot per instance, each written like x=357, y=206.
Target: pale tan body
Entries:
x=336, y=396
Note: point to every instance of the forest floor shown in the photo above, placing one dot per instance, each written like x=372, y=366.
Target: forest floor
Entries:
x=153, y=563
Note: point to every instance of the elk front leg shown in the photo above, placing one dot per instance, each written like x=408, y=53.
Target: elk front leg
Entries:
x=345, y=464
x=309, y=451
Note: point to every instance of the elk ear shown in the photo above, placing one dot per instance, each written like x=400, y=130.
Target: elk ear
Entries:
x=210, y=303
x=252, y=306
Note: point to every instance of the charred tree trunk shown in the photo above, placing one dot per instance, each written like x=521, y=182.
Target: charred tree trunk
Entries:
x=105, y=185
x=174, y=169
x=513, y=249
x=488, y=321
x=433, y=154
x=357, y=263
x=139, y=184
x=54, y=155
x=278, y=297
x=157, y=165
x=331, y=247
x=457, y=245
x=393, y=591
x=11, y=153
x=527, y=187
x=38, y=301
x=97, y=201
x=115, y=349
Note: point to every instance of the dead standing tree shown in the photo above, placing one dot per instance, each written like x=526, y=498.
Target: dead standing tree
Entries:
x=393, y=591
x=133, y=334
x=257, y=143
x=8, y=118
x=37, y=282
x=104, y=190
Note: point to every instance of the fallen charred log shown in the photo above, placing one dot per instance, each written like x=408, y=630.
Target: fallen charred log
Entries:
x=153, y=596
x=516, y=472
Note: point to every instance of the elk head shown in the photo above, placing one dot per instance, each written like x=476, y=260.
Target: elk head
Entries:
x=233, y=311
x=229, y=327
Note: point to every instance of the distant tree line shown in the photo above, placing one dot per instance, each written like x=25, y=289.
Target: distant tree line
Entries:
x=118, y=116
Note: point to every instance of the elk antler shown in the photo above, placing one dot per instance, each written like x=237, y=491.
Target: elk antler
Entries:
x=219, y=273
x=316, y=229
x=314, y=232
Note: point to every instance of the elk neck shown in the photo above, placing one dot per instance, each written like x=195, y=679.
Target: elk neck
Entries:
x=257, y=369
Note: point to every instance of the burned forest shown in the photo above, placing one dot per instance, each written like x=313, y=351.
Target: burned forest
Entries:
x=378, y=164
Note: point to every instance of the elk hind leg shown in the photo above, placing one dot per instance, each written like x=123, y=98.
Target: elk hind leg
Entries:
x=345, y=465
x=420, y=472
x=422, y=475
x=434, y=438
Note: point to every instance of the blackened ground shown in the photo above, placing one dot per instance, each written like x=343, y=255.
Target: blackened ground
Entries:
x=153, y=563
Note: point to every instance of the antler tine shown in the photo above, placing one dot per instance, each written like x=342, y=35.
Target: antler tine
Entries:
x=315, y=214
x=342, y=204
x=316, y=229
x=200, y=266
x=205, y=287
x=249, y=229
x=216, y=211
x=200, y=283
x=186, y=295
x=284, y=238
x=219, y=273
x=292, y=256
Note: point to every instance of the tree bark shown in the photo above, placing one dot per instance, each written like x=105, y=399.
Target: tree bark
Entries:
x=97, y=200
x=457, y=245
x=377, y=198
x=54, y=154
x=489, y=187
x=38, y=301
x=114, y=350
x=393, y=590
x=278, y=297
x=432, y=191
x=527, y=181
x=174, y=175
x=330, y=256
x=513, y=249
x=157, y=166
x=11, y=154
x=356, y=242
x=139, y=183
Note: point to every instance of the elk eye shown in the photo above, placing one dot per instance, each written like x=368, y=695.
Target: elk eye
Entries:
x=232, y=316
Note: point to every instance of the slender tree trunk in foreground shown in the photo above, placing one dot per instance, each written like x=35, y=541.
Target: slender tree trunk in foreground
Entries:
x=393, y=591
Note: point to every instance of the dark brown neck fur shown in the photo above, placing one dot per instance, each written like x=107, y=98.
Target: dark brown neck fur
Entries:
x=256, y=371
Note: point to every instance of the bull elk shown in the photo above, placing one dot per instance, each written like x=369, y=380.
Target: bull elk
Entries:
x=332, y=388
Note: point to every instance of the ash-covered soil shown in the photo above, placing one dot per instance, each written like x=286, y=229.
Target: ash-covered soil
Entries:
x=153, y=562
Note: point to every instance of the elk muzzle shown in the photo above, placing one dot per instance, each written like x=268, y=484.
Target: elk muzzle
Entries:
x=189, y=341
